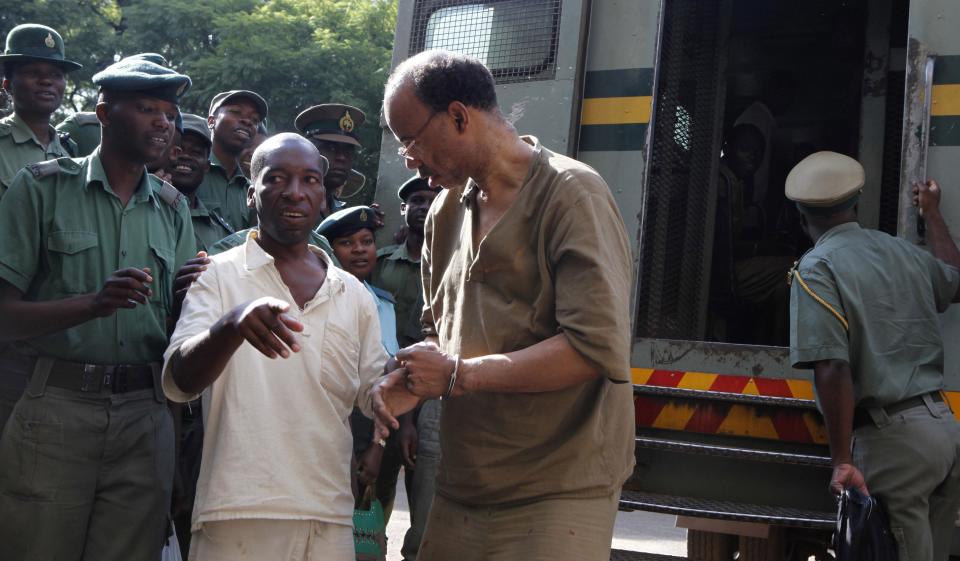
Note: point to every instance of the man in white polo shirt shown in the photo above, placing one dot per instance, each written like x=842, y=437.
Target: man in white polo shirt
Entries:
x=275, y=476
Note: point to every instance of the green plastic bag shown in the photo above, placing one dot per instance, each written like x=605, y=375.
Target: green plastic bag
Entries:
x=369, y=529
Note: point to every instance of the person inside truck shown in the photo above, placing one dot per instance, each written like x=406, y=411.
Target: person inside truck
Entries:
x=865, y=317
x=748, y=270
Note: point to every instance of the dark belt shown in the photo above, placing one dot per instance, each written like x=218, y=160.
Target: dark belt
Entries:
x=861, y=415
x=94, y=378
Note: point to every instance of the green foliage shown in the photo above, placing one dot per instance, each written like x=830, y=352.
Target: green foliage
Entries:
x=296, y=53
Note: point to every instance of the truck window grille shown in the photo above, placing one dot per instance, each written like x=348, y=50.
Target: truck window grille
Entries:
x=516, y=39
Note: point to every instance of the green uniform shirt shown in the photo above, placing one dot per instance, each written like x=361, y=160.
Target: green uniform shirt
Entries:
x=208, y=226
x=890, y=292
x=19, y=147
x=63, y=233
x=399, y=274
x=84, y=130
x=239, y=238
x=227, y=194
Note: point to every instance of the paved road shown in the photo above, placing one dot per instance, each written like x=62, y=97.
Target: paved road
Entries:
x=635, y=531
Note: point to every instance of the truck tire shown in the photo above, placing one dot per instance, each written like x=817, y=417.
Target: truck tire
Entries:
x=710, y=546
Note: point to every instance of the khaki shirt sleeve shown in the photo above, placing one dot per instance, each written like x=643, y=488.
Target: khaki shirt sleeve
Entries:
x=21, y=221
x=815, y=332
x=589, y=253
x=372, y=354
x=202, y=308
x=944, y=279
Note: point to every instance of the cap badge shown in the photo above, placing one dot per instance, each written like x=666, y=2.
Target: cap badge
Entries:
x=49, y=42
x=363, y=216
x=346, y=122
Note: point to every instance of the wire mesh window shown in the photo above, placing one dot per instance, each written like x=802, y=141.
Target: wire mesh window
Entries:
x=516, y=39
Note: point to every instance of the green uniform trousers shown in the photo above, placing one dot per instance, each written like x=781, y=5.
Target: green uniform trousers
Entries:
x=911, y=461
x=85, y=476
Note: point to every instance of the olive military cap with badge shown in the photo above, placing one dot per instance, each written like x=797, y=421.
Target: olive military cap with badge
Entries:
x=335, y=122
x=31, y=42
x=347, y=221
x=825, y=183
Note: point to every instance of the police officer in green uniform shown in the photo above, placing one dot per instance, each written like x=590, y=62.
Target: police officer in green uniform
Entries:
x=83, y=128
x=187, y=168
x=333, y=128
x=34, y=74
x=88, y=250
x=864, y=316
x=398, y=271
x=234, y=117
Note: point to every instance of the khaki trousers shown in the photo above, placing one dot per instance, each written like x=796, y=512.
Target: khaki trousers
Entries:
x=85, y=476
x=547, y=530
x=911, y=461
x=272, y=540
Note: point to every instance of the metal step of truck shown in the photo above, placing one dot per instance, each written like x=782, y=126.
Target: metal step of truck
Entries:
x=726, y=510
x=751, y=399
x=622, y=555
x=733, y=452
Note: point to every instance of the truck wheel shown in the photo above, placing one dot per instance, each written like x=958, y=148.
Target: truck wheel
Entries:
x=710, y=546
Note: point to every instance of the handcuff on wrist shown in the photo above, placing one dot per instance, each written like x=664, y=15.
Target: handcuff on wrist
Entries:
x=453, y=378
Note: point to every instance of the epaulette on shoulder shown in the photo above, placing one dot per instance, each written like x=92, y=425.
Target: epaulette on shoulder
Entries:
x=383, y=294
x=86, y=118
x=6, y=129
x=388, y=250
x=170, y=195
x=40, y=170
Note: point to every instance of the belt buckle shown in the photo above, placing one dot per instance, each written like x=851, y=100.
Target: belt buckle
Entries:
x=90, y=379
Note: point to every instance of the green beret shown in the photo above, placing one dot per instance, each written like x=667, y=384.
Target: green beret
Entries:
x=152, y=57
x=197, y=125
x=140, y=75
x=31, y=42
x=331, y=121
x=414, y=184
x=347, y=221
x=223, y=97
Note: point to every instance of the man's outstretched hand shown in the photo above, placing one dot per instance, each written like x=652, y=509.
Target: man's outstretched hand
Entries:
x=264, y=323
x=391, y=398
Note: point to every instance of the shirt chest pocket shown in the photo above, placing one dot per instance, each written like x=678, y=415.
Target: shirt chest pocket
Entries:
x=162, y=274
x=75, y=261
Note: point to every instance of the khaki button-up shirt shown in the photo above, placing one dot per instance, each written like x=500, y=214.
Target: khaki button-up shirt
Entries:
x=19, y=147
x=890, y=292
x=227, y=194
x=277, y=442
x=558, y=261
x=63, y=234
x=399, y=274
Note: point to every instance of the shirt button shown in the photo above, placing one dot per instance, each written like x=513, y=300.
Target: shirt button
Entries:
x=123, y=253
x=121, y=343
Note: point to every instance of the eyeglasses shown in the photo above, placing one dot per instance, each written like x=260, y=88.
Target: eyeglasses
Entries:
x=404, y=151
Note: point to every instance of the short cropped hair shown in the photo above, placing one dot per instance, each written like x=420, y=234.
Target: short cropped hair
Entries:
x=441, y=77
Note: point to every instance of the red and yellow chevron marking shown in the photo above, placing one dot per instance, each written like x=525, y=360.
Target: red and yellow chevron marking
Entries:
x=734, y=419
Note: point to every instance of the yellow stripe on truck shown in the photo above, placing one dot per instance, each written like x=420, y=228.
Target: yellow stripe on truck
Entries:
x=616, y=110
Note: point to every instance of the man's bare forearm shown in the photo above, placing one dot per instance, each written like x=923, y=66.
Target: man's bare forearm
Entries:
x=939, y=239
x=201, y=359
x=550, y=365
x=23, y=319
x=835, y=388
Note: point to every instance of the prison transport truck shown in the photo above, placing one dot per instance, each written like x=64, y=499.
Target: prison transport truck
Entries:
x=728, y=437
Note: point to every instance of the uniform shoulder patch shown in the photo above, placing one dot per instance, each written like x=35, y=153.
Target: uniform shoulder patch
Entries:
x=170, y=195
x=86, y=118
x=388, y=250
x=43, y=169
